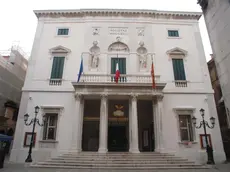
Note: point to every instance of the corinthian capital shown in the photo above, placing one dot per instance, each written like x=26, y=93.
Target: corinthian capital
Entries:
x=104, y=96
x=78, y=96
x=134, y=96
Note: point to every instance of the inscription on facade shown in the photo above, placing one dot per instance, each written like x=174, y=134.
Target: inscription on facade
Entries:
x=118, y=30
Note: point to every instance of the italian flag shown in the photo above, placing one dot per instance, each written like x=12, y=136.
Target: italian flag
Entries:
x=117, y=74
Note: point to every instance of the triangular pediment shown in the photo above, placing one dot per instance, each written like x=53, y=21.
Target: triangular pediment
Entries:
x=177, y=51
x=60, y=49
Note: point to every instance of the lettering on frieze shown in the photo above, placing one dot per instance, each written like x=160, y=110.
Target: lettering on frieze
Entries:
x=118, y=30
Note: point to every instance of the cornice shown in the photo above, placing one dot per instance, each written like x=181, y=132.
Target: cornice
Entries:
x=118, y=12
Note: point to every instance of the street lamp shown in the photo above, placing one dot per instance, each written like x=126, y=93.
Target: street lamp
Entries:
x=32, y=121
x=205, y=124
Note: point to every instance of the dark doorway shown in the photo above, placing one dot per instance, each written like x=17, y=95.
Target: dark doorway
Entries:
x=117, y=140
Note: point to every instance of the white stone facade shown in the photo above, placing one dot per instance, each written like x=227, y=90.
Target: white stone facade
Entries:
x=138, y=36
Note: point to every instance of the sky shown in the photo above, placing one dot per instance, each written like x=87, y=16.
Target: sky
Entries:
x=18, y=22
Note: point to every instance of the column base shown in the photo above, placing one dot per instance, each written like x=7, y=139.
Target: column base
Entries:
x=134, y=151
x=102, y=150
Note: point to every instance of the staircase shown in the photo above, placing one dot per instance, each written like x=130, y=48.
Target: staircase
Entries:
x=118, y=161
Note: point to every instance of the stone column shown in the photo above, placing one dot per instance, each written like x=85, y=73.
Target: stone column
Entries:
x=159, y=134
x=77, y=123
x=130, y=125
x=103, y=124
x=155, y=125
x=134, y=126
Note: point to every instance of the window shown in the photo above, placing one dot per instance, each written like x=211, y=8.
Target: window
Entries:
x=185, y=125
x=178, y=69
x=173, y=33
x=57, y=68
x=122, y=68
x=63, y=31
x=50, y=126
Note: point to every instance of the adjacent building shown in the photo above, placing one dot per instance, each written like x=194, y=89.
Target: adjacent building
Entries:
x=224, y=117
x=13, y=65
x=216, y=14
x=96, y=113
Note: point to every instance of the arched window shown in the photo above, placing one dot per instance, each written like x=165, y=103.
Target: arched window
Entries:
x=177, y=55
x=59, y=54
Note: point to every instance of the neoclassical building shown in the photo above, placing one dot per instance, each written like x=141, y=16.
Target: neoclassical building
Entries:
x=97, y=114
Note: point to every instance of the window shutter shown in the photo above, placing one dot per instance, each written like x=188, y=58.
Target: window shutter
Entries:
x=57, y=68
x=113, y=65
x=178, y=69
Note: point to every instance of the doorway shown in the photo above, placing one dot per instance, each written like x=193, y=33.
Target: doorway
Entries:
x=117, y=140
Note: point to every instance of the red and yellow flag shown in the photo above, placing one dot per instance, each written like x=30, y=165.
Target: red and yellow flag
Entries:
x=153, y=77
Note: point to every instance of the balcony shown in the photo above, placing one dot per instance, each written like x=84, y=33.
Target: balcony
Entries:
x=109, y=79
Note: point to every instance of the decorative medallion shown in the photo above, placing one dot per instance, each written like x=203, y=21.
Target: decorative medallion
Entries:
x=96, y=31
x=140, y=31
x=119, y=111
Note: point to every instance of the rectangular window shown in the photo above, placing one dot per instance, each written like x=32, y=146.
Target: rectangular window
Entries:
x=178, y=69
x=173, y=33
x=63, y=31
x=57, y=68
x=122, y=68
x=50, y=126
x=185, y=125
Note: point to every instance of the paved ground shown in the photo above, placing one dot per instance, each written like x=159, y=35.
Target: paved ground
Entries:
x=21, y=168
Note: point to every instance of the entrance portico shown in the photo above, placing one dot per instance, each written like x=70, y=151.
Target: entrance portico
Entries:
x=116, y=129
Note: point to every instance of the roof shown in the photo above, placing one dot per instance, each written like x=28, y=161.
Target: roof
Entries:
x=101, y=12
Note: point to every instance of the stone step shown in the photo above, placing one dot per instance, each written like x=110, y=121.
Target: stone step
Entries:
x=115, y=155
x=120, y=162
x=116, y=165
x=106, y=156
x=120, y=168
x=122, y=158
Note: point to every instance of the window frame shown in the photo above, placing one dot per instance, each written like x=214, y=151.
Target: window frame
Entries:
x=58, y=110
x=45, y=133
x=188, y=128
x=173, y=37
x=62, y=28
x=189, y=111
x=185, y=78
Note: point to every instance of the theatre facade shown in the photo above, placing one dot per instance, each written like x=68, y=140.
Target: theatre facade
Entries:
x=97, y=114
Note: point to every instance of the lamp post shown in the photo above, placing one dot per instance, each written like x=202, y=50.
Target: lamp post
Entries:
x=33, y=121
x=205, y=124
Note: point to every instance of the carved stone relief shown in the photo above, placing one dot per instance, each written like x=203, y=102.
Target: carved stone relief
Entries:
x=118, y=46
x=96, y=31
x=142, y=56
x=94, y=54
x=140, y=31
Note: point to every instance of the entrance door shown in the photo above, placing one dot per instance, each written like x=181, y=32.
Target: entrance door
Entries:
x=117, y=140
x=122, y=67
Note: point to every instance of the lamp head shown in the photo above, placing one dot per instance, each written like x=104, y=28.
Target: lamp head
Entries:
x=36, y=109
x=212, y=119
x=194, y=120
x=202, y=112
x=26, y=116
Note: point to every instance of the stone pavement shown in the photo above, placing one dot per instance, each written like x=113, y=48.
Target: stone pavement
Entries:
x=10, y=167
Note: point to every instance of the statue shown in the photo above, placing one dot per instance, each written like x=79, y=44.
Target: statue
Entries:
x=94, y=55
x=143, y=61
x=94, y=59
x=142, y=55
